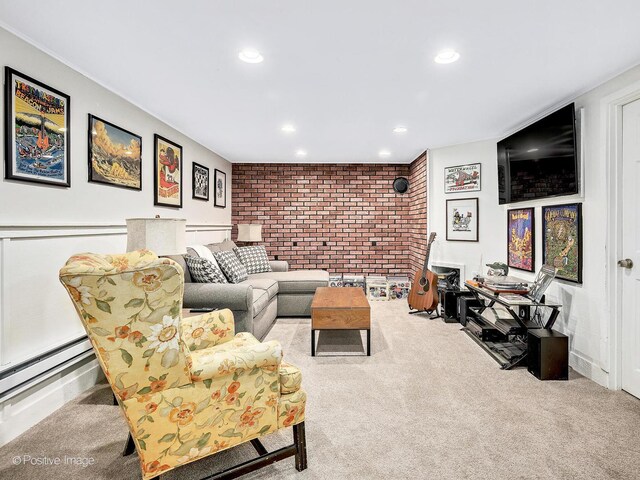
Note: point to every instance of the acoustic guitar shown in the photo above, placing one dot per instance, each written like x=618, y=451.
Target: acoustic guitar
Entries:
x=424, y=289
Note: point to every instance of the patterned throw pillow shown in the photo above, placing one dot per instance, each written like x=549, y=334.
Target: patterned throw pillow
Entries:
x=204, y=271
x=231, y=266
x=254, y=258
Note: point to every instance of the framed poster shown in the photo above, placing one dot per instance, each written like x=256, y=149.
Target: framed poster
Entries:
x=220, y=189
x=462, y=220
x=115, y=155
x=37, y=131
x=562, y=240
x=167, y=167
x=200, y=182
x=521, y=242
x=462, y=178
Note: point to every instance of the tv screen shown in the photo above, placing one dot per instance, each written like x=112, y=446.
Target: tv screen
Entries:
x=540, y=160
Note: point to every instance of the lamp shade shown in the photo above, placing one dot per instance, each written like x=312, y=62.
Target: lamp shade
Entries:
x=250, y=233
x=163, y=236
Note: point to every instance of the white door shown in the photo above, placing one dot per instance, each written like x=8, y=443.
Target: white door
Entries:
x=631, y=248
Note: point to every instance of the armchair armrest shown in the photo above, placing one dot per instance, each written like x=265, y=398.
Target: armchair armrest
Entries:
x=279, y=265
x=218, y=295
x=208, y=329
x=217, y=364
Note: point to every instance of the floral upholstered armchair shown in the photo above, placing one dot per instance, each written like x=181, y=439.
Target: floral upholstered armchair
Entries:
x=188, y=387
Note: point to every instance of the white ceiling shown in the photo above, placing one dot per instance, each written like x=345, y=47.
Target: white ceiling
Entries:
x=343, y=72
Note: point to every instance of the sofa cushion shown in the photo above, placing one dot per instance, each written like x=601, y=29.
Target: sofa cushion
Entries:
x=224, y=246
x=268, y=284
x=254, y=258
x=231, y=266
x=296, y=281
x=204, y=271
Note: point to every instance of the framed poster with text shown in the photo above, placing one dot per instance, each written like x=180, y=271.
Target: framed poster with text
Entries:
x=521, y=241
x=562, y=240
x=37, y=131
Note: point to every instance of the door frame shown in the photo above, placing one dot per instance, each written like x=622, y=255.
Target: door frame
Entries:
x=612, y=124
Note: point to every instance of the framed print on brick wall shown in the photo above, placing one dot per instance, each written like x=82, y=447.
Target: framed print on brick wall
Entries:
x=167, y=167
x=220, y=189
x=37, y=130
x=462, y=219
x=521, y=241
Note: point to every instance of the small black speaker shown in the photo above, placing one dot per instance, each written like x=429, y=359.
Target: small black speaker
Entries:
x=401, y=185
x=548, y=354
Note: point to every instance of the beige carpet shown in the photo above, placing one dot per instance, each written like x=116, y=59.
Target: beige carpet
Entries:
x=429, y=403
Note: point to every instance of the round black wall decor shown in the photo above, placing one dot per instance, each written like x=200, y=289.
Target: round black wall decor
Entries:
x=401, y=185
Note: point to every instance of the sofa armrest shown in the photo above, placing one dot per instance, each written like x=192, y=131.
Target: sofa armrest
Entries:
x=215, y=364
x=208, y=329
x=279, y=265
x=218, y=295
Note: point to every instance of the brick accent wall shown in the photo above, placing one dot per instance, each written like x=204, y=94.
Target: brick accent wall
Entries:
x=417, y=229
x=340, y=218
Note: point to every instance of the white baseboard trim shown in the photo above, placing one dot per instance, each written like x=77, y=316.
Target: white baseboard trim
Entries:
x=587, y=368
x=23, y=411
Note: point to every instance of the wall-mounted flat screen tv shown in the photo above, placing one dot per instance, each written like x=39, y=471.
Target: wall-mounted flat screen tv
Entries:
x=540, y=160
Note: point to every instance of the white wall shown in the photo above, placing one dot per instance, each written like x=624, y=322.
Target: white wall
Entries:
x=585, y=314
x=41, y=226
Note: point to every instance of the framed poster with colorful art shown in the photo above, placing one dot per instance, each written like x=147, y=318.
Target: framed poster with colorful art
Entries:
x=462, y=220
x=37, y=130
x=200, y=183
x=115, y=155
x=220, y=189
x=462, y=178
x=521, y=239
x=167, y=172
x=562, y=240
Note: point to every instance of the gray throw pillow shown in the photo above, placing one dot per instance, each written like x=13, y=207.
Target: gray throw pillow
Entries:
x=231, y=266
x=254, y=259
x=204, y=271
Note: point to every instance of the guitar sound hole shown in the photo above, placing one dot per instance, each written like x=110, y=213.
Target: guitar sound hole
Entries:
x=422, y=281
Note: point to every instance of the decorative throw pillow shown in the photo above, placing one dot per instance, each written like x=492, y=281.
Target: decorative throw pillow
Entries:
x=204, y=271
x=231, y=266
x=254, y=258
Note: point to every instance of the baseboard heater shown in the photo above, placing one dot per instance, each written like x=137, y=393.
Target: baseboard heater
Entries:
x=17, y=378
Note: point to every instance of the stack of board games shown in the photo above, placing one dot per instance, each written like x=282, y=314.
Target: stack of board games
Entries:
x=399, y=287
x=377, y=288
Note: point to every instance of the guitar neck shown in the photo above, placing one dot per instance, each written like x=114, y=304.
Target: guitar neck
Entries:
x=426, y=259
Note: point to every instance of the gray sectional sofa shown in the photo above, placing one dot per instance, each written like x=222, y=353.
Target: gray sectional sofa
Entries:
x=261, y=298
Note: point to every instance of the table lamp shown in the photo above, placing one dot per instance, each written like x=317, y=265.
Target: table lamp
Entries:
x=249, y=233
x=163, y=236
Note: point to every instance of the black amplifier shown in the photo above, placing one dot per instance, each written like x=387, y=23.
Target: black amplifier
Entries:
x=485, y=333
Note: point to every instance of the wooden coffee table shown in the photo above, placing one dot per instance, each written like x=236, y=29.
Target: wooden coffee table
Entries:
x=340, y=308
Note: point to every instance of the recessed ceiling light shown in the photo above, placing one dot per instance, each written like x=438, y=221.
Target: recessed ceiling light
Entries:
x=532, y=150
x=301, y=153
x=400, y=129
x=250, y=55
x=288, y=128
x=447, y=56
x=384, y=153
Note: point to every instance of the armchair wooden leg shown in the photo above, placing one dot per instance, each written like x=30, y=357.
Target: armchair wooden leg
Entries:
x=130, y=447
x=115, y=400
x=300, y=441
